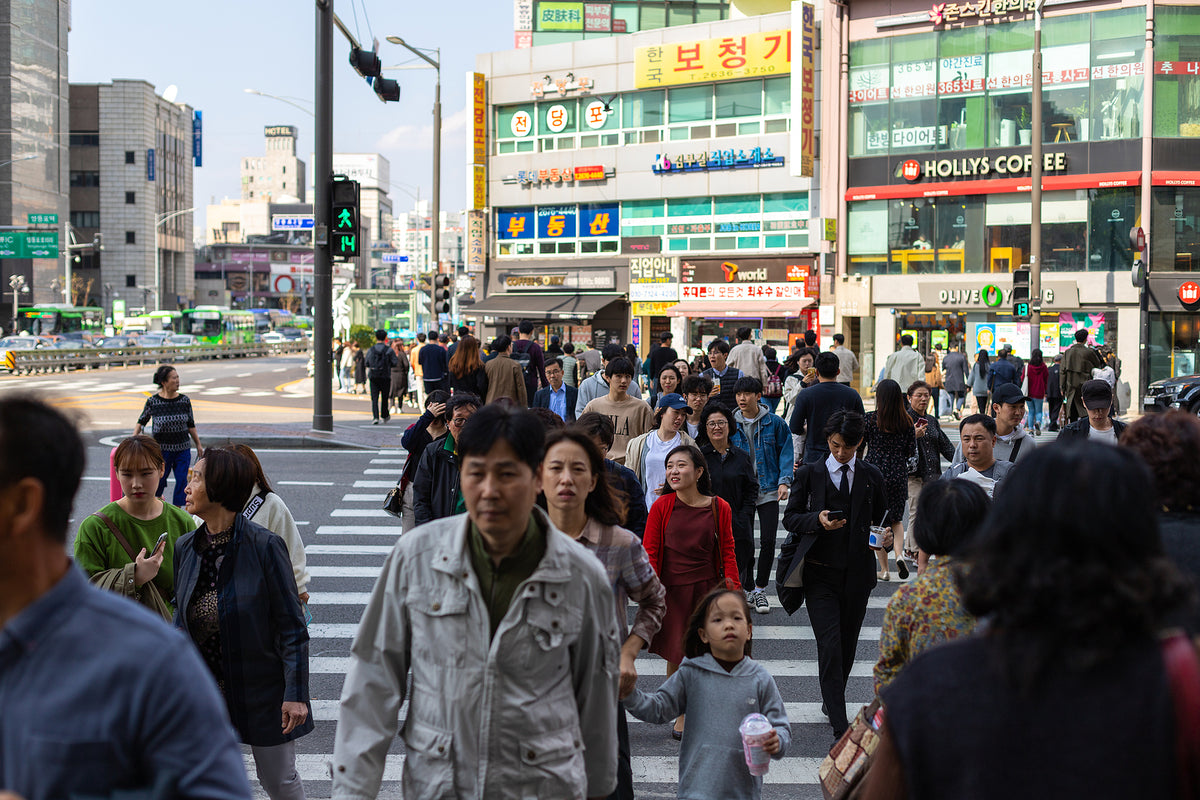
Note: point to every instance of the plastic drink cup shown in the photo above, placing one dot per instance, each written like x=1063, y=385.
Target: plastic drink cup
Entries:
x=755, y=730
x=875, y=537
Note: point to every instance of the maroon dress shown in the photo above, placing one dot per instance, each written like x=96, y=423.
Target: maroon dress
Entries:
x=689, y=571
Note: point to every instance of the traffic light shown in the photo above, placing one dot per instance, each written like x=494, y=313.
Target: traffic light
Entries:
x=442, y=287
x=1020, y=293
x=344, y=218
x=387, y=89
x=367, y=64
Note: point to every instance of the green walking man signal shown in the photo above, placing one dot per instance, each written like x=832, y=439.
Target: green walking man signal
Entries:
x=344, y=200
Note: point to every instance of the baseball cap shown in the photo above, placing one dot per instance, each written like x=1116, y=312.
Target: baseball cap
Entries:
x=1009, y=394
x=674, y=400
x=1096, y=394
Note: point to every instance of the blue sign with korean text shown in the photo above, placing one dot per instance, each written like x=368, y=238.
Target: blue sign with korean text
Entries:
x=757, y=158
x=150, y=164
x=515, y=224
x=556, y=222
x=393, y=258
x=197, y=139
x=291, y=222
x=599, y=220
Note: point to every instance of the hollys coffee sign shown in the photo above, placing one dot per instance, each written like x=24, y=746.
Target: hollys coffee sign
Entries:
x=1008, y=165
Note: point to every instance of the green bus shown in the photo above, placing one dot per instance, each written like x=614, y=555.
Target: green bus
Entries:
x=56, y=319
x=215, y=325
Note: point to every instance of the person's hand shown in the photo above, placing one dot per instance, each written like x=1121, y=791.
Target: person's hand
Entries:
x=716, y=390
x=920, y=428
x=437, y=409
x=199, y=452
x=831, y=524
x=782, y=493
x=304, y=597
x=294, y=715
x=145, y=568
x=659, y=490
x=771, y=743
x=888, y=539
x=628, y=677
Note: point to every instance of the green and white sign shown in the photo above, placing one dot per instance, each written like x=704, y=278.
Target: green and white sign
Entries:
x=42, y=219
x=28, y=244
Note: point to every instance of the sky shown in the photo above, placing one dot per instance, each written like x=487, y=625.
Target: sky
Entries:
x=212, y=51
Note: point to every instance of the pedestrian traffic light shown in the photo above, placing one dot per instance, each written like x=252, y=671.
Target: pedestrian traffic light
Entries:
x=1020, y=293
x=344, y=217
x=442, y=287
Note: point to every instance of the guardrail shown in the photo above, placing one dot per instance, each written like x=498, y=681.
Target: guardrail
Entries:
x=41, y=360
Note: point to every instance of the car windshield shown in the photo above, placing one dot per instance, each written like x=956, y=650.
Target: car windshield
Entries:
x=18, y=343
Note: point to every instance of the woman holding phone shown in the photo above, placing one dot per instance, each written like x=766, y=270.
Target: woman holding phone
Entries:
x=892, y=446
x=144, y=522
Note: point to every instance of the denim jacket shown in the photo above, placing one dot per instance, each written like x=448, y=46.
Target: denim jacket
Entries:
x=774, y=457
x=530, y=713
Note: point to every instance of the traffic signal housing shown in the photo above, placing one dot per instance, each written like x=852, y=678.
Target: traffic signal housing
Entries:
x=442, y=290
x=1020, y=293
x=367, y=64
x=343, y=216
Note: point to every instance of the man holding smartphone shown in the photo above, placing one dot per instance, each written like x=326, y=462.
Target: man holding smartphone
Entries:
x=827, y=560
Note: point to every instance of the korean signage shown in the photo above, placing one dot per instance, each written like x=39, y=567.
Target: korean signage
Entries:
x=745, y=279
x=652, y=309
x=521, y=124
x=42, y=219
x=479, y=114
x=534, y=177
x=632, y=245
x=912, y=170
x=654, y=279
x=997, y=295
x=752, y=55
x=291, y=222
x=1177, y=67
x=597, y=17
x=515, y=224
x=197, y=139
x=984, y=10
x=556, y=222
x=561, y=86
x=28, y=244
x=522, y=15
x=717, y=159
x=560, y=222
x=558, y=16
x=580, y=280
x=808, y=43
x=478, y=186
x=150, y=164
x=476, y=241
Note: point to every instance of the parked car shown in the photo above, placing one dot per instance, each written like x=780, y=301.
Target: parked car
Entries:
x=156, y=339
x=291, y=334
x=182, y=340
x=16, y=343
x=1181, y=392
x=117, y=342
x=273, y=337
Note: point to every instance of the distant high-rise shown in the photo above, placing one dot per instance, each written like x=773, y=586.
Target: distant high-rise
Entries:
x=278, y=176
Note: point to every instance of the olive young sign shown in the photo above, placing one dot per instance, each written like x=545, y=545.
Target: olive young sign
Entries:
x=912, y=170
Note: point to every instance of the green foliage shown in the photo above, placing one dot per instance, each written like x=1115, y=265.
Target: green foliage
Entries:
x=363, y=334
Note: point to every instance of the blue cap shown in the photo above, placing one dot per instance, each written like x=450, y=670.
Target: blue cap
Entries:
x=674, y=400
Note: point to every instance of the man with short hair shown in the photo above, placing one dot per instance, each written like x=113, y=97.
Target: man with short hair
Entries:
x=723, y=376
x=531, y=357
x=905, y=366
x=596, y=385
x=848, y=362
x=696, y=390
x=503, y=627
x=980, y=466
x=629, y=415
x=1013, y=442
x=435, y=366
x=98, y=698
x=570, y=366
x=1054, y=395
x=1076, y=369
x=1002, y=371
x=558, y=397
x=1098, y=426
x=767, y=440
x=817, y=403
x=748, y=358
x=504, y=376
x=660, y=355
x=954, y=375
x=414, y=358
x=591, y=361
x=436, y=493
x=379, y=361
x=600, y=429
x=463, y=330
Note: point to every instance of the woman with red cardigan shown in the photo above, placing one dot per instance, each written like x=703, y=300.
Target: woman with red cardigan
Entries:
x=689, y=540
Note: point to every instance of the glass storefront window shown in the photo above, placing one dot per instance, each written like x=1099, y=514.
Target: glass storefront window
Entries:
x=504, y=122
x=641, y=209
x=1174, y=345
x=1177, y=72
x=1174, y=238
x=786, y=203
x=739, y=99
x=1114, y=212
x=737, y=204
x=690, y=104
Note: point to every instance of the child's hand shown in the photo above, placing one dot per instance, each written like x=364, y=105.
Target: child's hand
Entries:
x=771, y=745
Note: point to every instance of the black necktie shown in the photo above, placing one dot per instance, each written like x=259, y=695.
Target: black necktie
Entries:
x=844, y=487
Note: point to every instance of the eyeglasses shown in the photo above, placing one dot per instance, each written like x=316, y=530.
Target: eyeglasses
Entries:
x=717, y=423
x=458, y=422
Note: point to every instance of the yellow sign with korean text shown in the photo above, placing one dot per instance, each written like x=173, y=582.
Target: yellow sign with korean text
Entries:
x=558, y=16
x=479, y=187
x=808, y=45
x=479, y=118
x=751, y=55
x=651, y=309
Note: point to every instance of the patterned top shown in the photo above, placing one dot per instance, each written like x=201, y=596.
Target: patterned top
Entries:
x=921, y=614
x=891, y=453
x=202, y=612
x=172, y=419
x=631, y=576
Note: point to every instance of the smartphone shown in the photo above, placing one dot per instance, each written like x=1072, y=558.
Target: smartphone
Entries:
x=834, y=516
x=161, y=540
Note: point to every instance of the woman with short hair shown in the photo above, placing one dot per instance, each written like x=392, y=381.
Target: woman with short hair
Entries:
x=237, y=602
x=267, y=508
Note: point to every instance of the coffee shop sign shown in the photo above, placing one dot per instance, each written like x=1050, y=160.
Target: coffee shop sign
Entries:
x=991, y=296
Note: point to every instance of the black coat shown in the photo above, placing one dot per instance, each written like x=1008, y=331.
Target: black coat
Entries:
x=733, y=481
x=802, y=520
x=1077, y=431
x=931, y=448
x=474, y=382
x=541, y=399
x=435, y=486
x=623, y=479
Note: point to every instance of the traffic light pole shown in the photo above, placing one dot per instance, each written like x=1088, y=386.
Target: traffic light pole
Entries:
x=322, y=261
x=1035, y=192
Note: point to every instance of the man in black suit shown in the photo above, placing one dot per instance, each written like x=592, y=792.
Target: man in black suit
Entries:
x=558, y=397
x=826, y=559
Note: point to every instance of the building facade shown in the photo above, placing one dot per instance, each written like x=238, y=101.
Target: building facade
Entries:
x=131, y=177
x=278, y=174
x=33, y=131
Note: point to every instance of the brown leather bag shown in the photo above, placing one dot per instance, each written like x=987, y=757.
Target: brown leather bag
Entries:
x=149, y=594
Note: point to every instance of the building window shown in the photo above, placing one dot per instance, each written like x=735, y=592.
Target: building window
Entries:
x=1176, y=82
x=130, y=157
x=131, y=281
x=84, y=140
x=130, y=198
x=85, y=178
x=85, y=219
x=130, y=237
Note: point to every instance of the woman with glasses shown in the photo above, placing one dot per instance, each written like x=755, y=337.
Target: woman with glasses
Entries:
x=732, y=472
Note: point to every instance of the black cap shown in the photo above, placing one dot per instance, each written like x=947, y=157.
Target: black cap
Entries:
x=1008, y=393
x=1096, y=394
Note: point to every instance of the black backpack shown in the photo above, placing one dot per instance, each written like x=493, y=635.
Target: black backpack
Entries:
x=522, y=356
x=377, y=361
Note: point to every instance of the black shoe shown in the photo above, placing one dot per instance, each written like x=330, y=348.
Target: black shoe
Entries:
x=385, y=420
x=824, y=710
x=676, y=735
x=901, y=568
x=375, y=421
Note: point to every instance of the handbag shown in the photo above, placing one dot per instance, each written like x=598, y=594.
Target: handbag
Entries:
x=843, y=770
x=1183, y=677
x=149, y=595
x=394, y=502
x=774, y=387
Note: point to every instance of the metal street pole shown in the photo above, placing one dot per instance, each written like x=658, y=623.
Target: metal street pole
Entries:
x=1035, y=192
x=322, y=262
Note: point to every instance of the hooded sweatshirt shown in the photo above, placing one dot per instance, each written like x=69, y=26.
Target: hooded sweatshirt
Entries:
x=711, y=763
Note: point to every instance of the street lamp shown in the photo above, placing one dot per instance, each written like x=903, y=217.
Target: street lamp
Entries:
x=17, y=282
x=159, y=220
x=280, y=99
x=436, y=204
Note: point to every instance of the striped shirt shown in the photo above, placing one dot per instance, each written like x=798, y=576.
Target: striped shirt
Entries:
x=172, y=420
x=630, y=575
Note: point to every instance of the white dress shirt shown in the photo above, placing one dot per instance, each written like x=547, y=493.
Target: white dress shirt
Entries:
x=835, y=471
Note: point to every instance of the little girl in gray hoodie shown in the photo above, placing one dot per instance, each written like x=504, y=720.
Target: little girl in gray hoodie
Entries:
x=717, y=685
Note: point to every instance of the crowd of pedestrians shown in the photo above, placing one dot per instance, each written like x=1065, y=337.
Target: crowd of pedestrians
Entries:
x=514, y=649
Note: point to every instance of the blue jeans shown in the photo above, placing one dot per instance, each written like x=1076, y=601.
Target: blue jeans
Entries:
x=176, y=463
x=1034, y=404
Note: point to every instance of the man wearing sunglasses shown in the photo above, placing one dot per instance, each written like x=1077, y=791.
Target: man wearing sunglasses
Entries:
x=436, y=493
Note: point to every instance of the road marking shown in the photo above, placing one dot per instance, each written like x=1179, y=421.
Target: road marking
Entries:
x=779, y=668
x=359, y=512
x=204, y=380
x=388, y=460
x=244, y=375
x=379, y=472
x=348, y=549
x=338, y=599
x=256, y=394
x=369, y=498
x=279, y=369
x=332, y=630
x=342, y=572
x=95, y=478
x=361, y=530
x=283, y=387
x=303, y=483
x=373, y=484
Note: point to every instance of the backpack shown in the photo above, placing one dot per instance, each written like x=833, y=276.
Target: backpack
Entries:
x=774, y=386
x=377, y=361
x=522, y=356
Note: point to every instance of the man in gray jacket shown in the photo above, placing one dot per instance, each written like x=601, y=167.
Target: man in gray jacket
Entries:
x=1013, y=442
x=504, y=625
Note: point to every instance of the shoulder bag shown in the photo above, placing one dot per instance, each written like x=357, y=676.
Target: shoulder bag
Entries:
x=843, y=771
x=149, y=594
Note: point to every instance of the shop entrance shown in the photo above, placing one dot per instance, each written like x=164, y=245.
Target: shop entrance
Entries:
x=928, y=330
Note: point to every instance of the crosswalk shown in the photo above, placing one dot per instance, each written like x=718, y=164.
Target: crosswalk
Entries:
x=345, y=553
x=75, y=383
